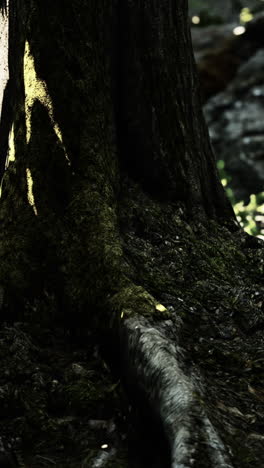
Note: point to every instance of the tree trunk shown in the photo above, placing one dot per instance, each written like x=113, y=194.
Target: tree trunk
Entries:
x=113, y=210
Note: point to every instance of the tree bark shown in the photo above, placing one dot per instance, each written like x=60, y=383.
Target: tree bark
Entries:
x=114, y=211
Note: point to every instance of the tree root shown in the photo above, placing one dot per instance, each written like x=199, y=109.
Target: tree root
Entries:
x=173, y=394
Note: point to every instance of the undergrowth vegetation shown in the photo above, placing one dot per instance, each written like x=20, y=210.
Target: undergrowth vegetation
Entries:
x=250, y=215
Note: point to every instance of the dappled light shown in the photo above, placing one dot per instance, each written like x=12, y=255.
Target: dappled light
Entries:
x=251, y=215
x=238, y=30
x=160, y=307
x=3, y=55
x=231, y=66
x=30, y=193
x=246, y=15
x=195, y=19
x=131, y=279
x=11, y=156
x=104, y=446
x=36, y=89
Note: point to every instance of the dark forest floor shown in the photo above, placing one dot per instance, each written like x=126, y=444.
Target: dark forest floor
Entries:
x=59, y=404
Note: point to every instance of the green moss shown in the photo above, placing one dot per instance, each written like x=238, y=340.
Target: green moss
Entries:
x=134, y=300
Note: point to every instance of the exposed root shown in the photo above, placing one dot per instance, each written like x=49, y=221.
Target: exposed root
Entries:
x=174, y=395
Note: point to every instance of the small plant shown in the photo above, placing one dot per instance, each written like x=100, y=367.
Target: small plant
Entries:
x=251, y=215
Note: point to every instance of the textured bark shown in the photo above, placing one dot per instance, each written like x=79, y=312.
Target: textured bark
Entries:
x=3, y=6
x=125, y=233
x=161, y=127
x=5, y=126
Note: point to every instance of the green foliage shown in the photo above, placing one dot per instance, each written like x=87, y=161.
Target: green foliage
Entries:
x=250, y=215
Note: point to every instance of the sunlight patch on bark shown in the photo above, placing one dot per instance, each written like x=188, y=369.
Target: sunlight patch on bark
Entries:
x=3, y=55
x=11, y=155
x=160, y=308
x=36, y=88
x=30, y=193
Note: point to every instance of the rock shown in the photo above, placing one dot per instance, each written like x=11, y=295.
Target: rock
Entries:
x=219, y=52
x=236, y=127
x=210, y=38
x=231, y=70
